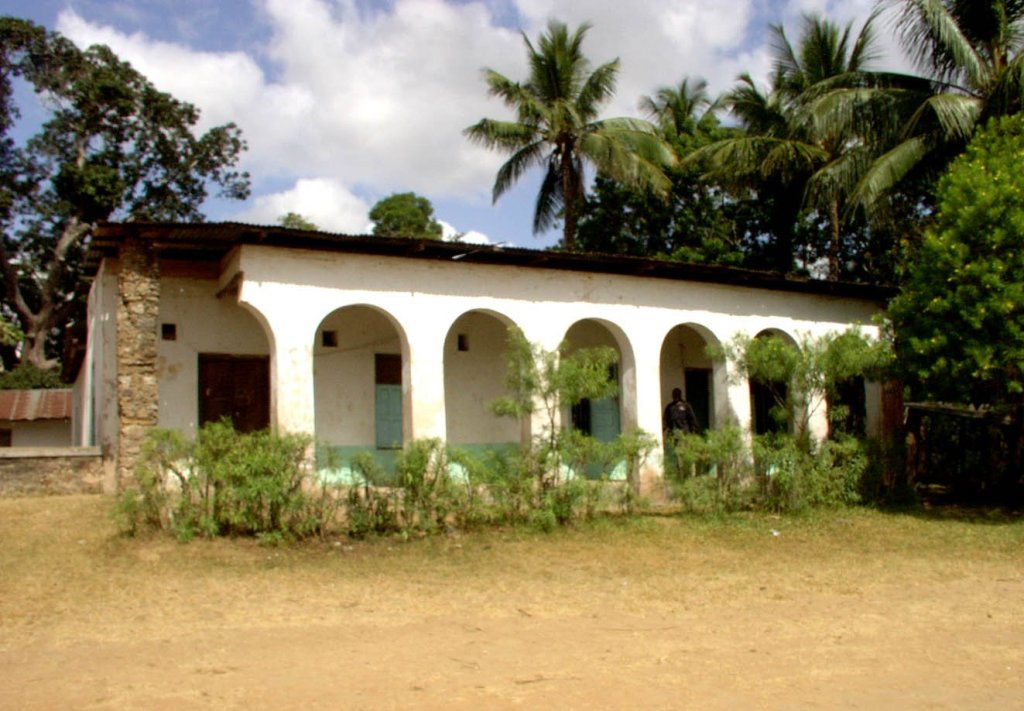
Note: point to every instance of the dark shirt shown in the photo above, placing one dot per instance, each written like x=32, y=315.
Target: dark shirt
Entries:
x=679, y=416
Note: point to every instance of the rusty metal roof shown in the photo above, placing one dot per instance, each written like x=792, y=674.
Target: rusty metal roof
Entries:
x=210, y=241
x=35, y=404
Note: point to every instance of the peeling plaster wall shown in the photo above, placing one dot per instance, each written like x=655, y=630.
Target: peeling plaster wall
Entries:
x=203, y=323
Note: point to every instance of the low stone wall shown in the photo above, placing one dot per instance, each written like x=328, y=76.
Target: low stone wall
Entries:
x=51, y=470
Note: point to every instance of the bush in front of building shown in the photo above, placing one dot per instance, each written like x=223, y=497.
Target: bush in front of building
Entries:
x=228, y=483
x=717, y=472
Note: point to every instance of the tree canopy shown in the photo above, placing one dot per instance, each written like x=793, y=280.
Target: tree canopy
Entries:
x=800, y=162
x=110, y=147
x=959, y=321
x=973, y=69
x=405, y=215
x=295, y=221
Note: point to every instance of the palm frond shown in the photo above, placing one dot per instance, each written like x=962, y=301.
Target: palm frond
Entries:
x=513, y=169
x=887, y=170
x=955, y=114
x=936, y=42
x=550, y=199
x=789, y=158
x=506, y=136
x=633, y=157
x=597, y=90
x=837, y=178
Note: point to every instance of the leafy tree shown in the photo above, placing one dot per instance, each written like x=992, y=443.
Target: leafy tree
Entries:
x=551, y=381
x=806, y=376
x=682, y=110
x=698, y=222
x=959, y=321
x=28, y=377
x=803, y=163
x=557, y=128
x=295, y=221
x=970, y=52
x=112, y=147
x=405, y=215
x=958, y=324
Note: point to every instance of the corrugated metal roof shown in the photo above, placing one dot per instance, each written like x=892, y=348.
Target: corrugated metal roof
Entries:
x=35, y=404
x=210, y=241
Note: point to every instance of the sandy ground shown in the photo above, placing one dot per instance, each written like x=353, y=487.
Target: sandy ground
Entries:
x=502, y=623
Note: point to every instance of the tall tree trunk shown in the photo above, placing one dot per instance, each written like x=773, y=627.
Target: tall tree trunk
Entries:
x=570, y=199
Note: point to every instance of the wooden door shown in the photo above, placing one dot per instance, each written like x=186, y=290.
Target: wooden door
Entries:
x=235, y=387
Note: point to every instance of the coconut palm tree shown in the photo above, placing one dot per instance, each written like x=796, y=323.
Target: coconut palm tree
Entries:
x=970, y=53
x=557, y=128
x=683, y=109
x=790, y=152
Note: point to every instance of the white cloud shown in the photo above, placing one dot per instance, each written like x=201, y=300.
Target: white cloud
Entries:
x=374, y=101
x=450, y=234
x=380, y=98
x=325, y=202
x=890, y=54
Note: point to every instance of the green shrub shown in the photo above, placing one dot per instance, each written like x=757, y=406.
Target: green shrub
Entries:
x=228, y=483
x=793, y=479
x=508, y=477
x=28, y=377
x=711, y=472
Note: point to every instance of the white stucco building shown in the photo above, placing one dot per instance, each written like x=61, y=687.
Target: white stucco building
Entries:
x=370, y=342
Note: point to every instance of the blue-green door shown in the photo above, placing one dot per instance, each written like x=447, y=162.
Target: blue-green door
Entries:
x=389, y=416
x=604, y=419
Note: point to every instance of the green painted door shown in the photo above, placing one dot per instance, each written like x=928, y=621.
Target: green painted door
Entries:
x=604, y=419
x=389, y=416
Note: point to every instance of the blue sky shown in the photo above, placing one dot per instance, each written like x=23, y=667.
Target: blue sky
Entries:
x=344, y=102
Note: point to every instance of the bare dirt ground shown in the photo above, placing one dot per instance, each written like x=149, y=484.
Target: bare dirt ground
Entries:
x=857, y=610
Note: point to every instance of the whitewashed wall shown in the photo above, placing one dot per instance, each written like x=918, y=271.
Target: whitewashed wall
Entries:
x=203, y=324
x=277, y=301
x=473, y=379
x=294, y=290
x=343, y=376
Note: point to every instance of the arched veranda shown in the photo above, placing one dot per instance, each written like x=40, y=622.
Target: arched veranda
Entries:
x=768, y=398
x=360, y=358
x=605, y=419
x=474, y=376
x=685, y=364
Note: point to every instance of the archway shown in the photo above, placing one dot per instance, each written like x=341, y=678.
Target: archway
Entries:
x=769, y=398
x=361, y=403
x=686, y=365
x=605, y=419
x=474, y=376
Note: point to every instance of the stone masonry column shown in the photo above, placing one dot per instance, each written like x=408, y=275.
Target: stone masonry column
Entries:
x=138, y=393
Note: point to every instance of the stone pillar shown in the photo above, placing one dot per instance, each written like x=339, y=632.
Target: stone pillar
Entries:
x=138, y=393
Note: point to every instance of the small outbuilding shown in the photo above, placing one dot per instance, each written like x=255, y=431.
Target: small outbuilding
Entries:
x=35, y=418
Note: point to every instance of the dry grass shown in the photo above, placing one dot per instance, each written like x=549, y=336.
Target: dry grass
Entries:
x=68, y=581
